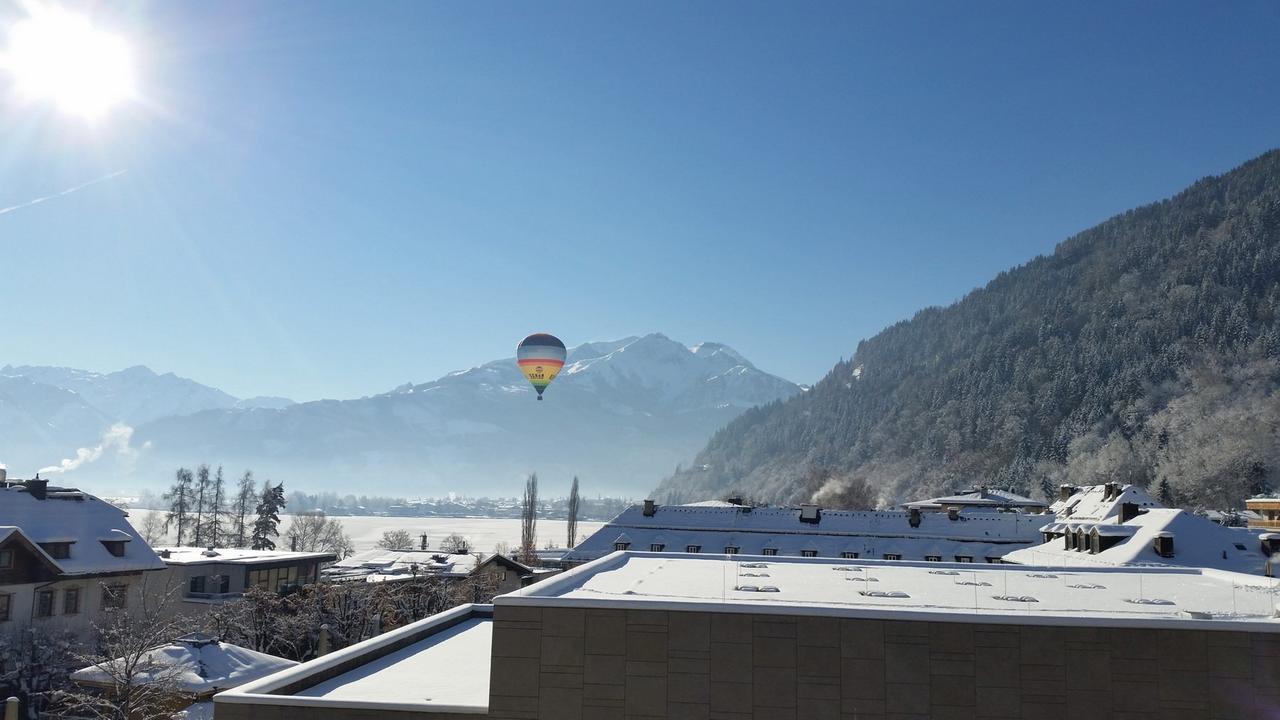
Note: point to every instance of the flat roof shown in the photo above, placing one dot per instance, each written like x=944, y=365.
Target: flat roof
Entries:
x=236, y=556
x=439, y=664
x=957, y=592
x=450, y=668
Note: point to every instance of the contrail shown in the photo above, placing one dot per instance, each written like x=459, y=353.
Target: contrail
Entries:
x=68, y=191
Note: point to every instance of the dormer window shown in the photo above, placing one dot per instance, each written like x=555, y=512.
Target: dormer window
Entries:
x=621, y=545
x=933, y=558
x=57, y=550
x=964, y=558
x=808, y=553
x=849, y=555
x=893, y=556
x=693, y=548
x=656, y=547
x=730, y=549
x=769, y=551
x=115, y=547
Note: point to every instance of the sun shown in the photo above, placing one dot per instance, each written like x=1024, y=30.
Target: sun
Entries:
x=59, y=57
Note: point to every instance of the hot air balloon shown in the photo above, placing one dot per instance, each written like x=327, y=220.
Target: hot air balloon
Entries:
x=540, y=357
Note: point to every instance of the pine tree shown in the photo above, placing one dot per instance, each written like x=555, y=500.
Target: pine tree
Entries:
x=180, y=502
x=244, y=503
x=573, y=514
x=267, y=525
x=1163, y=493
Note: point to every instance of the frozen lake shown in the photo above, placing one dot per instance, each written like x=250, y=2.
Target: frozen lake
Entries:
x=484, y=533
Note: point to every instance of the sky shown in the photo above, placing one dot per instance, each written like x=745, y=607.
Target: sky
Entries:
x=328, y=199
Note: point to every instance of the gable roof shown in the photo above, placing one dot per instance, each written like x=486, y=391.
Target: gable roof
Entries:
x=70, y=515
x=196, y=664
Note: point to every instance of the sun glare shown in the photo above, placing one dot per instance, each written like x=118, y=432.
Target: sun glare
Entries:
x=60, y=57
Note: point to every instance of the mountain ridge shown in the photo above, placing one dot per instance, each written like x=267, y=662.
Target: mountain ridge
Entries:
x=1112, y=358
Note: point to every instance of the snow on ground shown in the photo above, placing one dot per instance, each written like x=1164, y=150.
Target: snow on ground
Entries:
x=483, y=533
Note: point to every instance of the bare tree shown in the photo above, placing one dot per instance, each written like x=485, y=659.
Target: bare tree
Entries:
x=202, y=494
x=573, y=514
x=529, y=521
x=139, y=685
x=396, y=540
x=314, y=532
x=153, y=530
x=456, y=544
x=241, y=508
x=180, y=504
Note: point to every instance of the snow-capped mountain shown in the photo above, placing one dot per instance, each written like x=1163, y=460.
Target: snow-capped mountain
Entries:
x=132, y=396
x=621, y=414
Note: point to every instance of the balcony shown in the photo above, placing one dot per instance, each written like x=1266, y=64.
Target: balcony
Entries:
x=1266, y=524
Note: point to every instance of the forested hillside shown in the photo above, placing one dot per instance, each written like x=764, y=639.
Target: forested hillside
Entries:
x=1146, y=350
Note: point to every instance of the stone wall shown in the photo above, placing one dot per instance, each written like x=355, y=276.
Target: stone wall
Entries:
x=565, y=664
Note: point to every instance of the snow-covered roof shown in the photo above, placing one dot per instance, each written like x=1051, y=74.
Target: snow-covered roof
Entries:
x=236, y=556
x=440, y=664
x=380, y=565
x=74, y=516
x=1098, y=502
x=1198, y=542
x=868, y=533
x=978, y=497
x=1208, y=598
x=203, y=666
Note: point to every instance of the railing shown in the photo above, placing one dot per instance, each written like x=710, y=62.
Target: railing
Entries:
x=1270, y=524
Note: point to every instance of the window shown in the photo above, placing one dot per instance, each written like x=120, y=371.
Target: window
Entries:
x=71, y=601
x=57, y=550
x=933, y=558
x=656, y=547
x=995, y=560
x=44, y=603
x=849, y=555
x=5, y=600
x=274, y=579
x=114, y=596
x=964, y=558
x=808, y=553
x=693, y=548
x=115, y=547
x=196, y=585
x=731, y=550
x=893, y=556
x=6, y=559
x=621, y=545
x=769, y=551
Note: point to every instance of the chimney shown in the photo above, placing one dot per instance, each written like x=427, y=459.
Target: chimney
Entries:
x=1128, y=511
x=1270, y=543
x=811, y=514
x=650, y=508
x=1163, y=544
x=1065, y=492
x=323, y=643
x=734, y=501
x=38, y=488
x=953, y=513
x=913, y=517
x=293, y=543
x=4, y=476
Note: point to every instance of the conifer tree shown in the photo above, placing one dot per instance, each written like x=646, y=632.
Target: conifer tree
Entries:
x=573, y=514
x=266, y=527
x=180, y=504
x=242, y=506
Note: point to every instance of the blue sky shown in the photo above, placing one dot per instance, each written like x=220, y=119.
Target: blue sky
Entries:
x=327, y=199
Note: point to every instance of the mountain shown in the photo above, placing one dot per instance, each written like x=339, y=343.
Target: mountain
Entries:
x=620, y=414
x=1142, y=350
x=132, y=396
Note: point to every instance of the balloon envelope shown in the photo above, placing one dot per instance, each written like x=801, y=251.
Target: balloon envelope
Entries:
x=540, y=357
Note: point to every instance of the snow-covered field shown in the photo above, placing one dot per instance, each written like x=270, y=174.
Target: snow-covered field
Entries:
x=484, y=533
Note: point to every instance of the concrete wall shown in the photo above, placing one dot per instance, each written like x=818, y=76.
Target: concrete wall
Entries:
x=228, y=711
x=564, y=664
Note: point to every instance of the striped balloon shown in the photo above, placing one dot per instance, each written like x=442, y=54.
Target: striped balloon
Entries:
x=540, y=357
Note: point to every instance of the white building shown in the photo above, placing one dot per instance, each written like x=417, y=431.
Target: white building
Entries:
x=65, y=556
x=979, y=498
x=1117, y=525
x=380, y=565
x=214, y=575
x=972, y=535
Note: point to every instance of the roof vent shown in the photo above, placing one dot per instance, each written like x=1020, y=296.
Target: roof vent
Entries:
x=164, y=553
x=1149, y=601
x=811, y=514
x=1163, y=544
x=1128, y=511
x=913, y=517
x=1043, y=575
x=1270, y=543
x=943, y=572
x=1015, y=598
x=1065, y=492
x=650, y=508
x=953, y=513
x=1088, y=586
x=884, y=593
